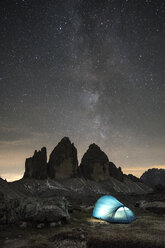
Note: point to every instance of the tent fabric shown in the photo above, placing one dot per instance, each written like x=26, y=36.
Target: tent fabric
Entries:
x=110, y=209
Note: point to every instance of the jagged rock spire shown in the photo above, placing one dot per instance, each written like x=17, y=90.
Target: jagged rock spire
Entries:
x=63, y=161
x=95, y=164
x=36, y=166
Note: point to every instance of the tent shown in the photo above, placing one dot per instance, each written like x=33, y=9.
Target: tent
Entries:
x=110, y=209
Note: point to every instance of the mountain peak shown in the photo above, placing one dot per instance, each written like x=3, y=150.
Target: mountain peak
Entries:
x=154, y=178
x=63, y=162
x=95, y=164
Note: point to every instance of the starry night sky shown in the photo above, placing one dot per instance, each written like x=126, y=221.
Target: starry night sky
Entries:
x=91, y=70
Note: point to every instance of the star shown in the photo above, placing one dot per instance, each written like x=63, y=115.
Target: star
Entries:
x=90, y=70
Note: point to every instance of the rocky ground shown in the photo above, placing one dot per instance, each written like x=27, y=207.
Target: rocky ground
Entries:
x=81, y=230
x=47, y=214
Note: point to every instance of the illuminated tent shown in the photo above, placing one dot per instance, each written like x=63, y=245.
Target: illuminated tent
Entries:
x=110, y=209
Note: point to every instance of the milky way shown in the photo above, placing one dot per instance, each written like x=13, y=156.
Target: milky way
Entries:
x=90, y=70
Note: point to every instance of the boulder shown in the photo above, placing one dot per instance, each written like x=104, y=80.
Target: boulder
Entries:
x=45, y=210
x=23, y=225
x=157, y=207
x=63, y=162
x=95, y=164
x=36, y=166
x=9, y=211
x=41, y=225
x=33, y=210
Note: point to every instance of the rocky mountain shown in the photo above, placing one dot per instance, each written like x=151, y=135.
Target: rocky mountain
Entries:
x=133, y=178
x=41, y=196
x=63, y=161
x=63, y=164
x=95, y=166
x=154, y=178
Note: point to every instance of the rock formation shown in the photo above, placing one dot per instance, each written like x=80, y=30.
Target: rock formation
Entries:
x=42, y=202
x=36, y=166
x=63, y=161
x=33, y=210
x=133, y=178
x=115, y=172
x=156, y=206
x=95, y=164
x=2, y=181
x=63, y=164
x=154, y=178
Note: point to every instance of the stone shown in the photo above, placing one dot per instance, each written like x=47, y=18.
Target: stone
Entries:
x=41, y=225
x=63, y=162
x=157, y=207
x=95, y=164
x=36, y=166
x=9, y=211
x=53, y=224
x=23, y=225
x=33, y=210
x=45, y=210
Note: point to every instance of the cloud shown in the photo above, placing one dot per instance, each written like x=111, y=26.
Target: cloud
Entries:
x=17, y=135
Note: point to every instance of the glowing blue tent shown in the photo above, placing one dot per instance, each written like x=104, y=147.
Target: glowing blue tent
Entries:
x=110, y=209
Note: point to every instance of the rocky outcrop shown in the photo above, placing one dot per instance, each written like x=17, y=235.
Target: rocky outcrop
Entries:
x=36, y=166
x=154, y=178
x=2, y=181
x=133, y=178
x=95, y=164
x=63, y=164
x=115, y=172
x=157, y=207
x=33, y=210
x=63, y=161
